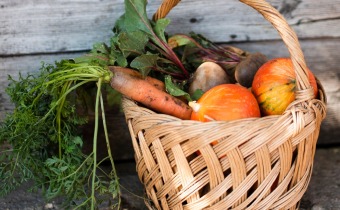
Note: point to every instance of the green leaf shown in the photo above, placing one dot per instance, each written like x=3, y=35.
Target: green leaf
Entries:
x=77, y=140
x=101, y=48
x=2, y=157
x=145, y=63
x=174, y=90
x=119, y=25
x=100, y=54
x=55, y=171
x=98, y=58
x=201, y=39
x=63, y=168
x=197, y=94
x=121, y=60
x=132, y=42
x=159, y=28
x=51, y=161
x=136, y=17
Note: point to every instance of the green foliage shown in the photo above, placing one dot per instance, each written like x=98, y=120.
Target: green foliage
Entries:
x=136, y=18
x=176, y=89
x=133, y=42
x=159, y=28
x=145, y=63
x=197, y=94
x=100, y=54
x=45, y=138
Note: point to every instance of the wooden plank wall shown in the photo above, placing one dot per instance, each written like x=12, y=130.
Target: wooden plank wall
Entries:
x=32, y=31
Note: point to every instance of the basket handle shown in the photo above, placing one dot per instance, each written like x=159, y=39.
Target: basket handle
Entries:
x=279, y=22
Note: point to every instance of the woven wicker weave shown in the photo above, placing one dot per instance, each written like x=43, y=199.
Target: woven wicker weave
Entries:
x=259, y=163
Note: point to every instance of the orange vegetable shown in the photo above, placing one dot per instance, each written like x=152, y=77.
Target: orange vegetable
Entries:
x=274, y=86
x=155, y=82
x=147, y=94
x=225, y=102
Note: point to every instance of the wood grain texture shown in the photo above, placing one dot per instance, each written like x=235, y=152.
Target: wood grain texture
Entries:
x=323, y=191
x=33, y=26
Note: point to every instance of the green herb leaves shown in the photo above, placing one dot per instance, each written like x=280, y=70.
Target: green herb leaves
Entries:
x=43, y=131
x=175, y=89
x=145, y=63
x=100, y=54
x=159, y=28
x=133, y=42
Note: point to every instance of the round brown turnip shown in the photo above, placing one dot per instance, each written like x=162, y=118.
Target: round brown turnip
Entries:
x=207, y=76
x=247, y=68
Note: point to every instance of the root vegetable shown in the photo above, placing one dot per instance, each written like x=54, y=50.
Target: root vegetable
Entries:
x=155, y=82
x=147, y=94
x=247, y=68
x=207, y=76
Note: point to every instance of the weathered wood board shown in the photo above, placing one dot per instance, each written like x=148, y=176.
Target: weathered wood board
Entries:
x=35, y=26
x=323, y=192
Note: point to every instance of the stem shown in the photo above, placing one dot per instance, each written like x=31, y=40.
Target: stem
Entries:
x=82, y=204
x=73, y=76
x=84, y=162
x=176, y=59
x=108, y=143
x=9, y=179
x=166, y=60
x=232, y=55
x=194, y=41
x=64, y=95
x=169, y=73
x=216, y=61
x=163, y=44
x=162, y=51
x=95, y=142
x=106, y=133
x=65, y=87
x=134, y=194
x=89, y=68
x=185, y=55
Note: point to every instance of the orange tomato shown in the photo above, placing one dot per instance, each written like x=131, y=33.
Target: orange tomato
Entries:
x=274, y=86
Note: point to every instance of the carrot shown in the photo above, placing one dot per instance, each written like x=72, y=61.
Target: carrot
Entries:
x=147, y=94
x=155, y=82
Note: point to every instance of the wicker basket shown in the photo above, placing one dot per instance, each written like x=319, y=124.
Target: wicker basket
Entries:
x=259, y=163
